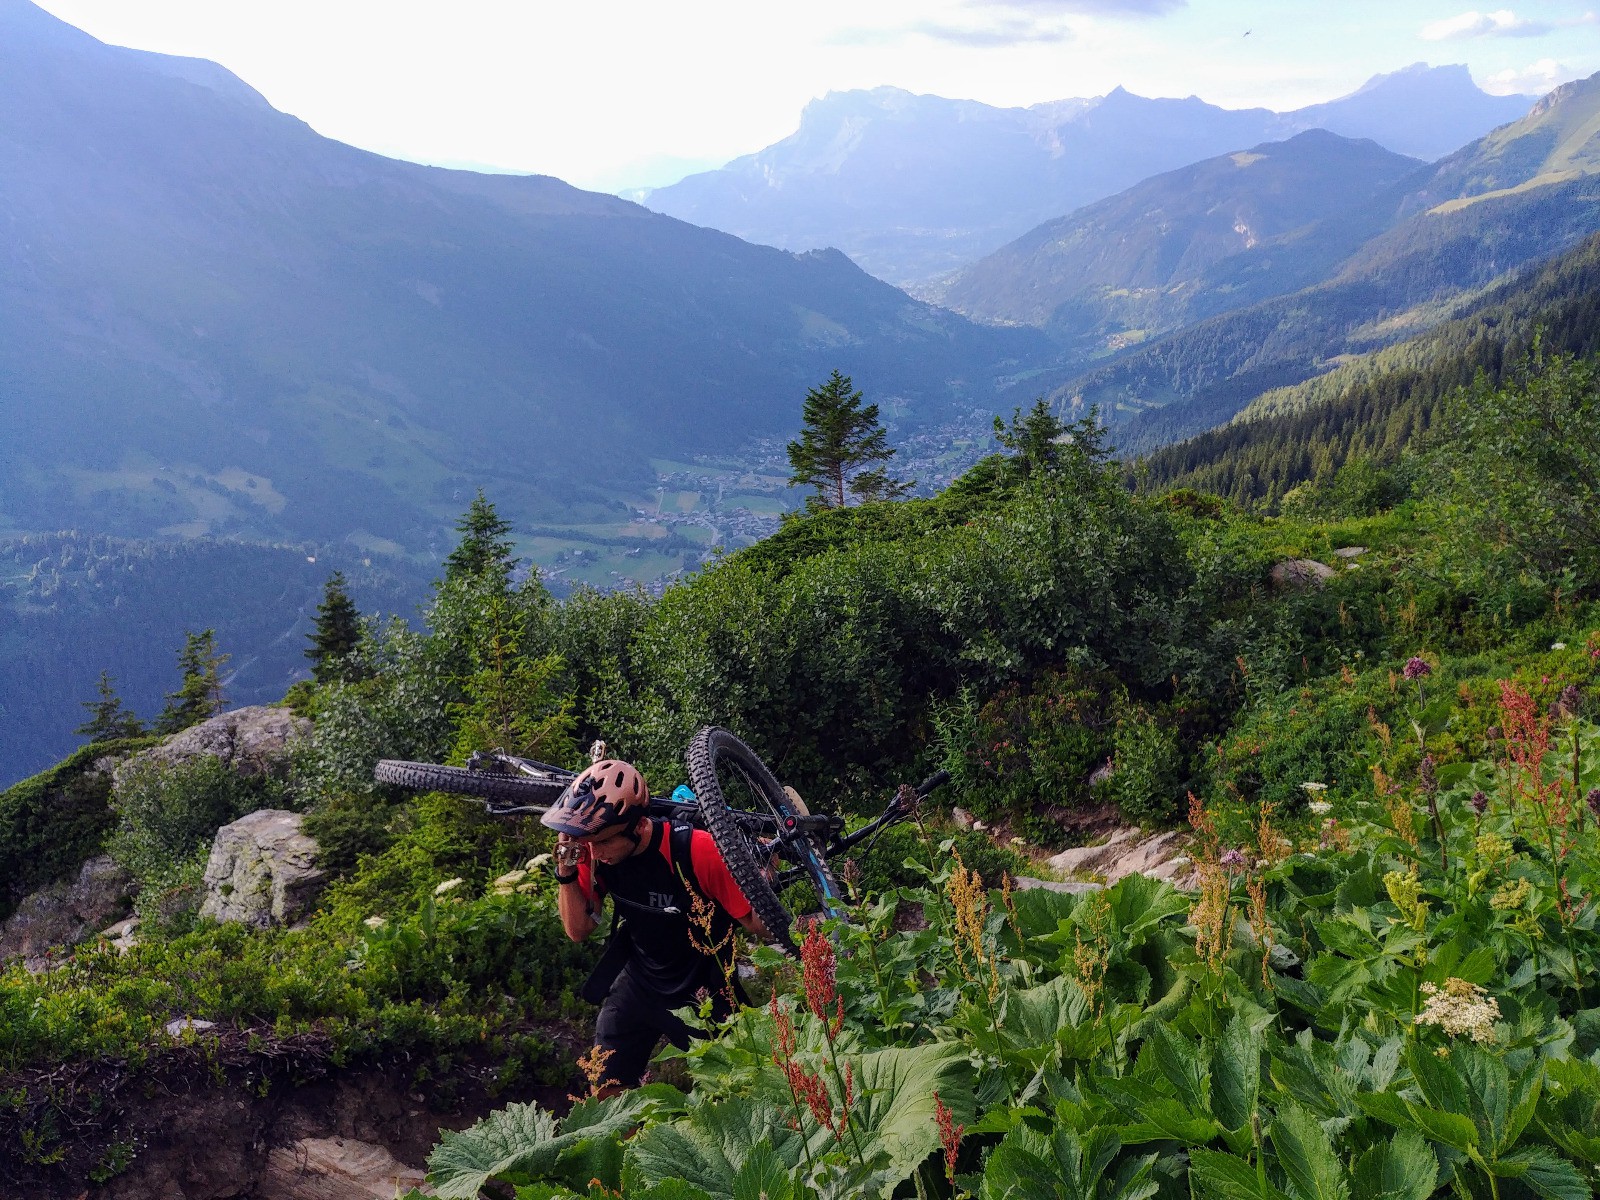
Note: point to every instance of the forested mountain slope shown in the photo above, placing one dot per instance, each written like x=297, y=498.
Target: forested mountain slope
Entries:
x=219, y=321
x=73, y=605
x=1379, y=404
x=1422, y=270
x=1157, y=256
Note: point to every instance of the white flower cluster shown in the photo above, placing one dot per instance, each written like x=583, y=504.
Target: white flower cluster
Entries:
x=524, y=880
x=1460, y=1008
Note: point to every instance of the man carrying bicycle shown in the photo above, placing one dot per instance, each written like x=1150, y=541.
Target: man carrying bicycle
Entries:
x=674, y=908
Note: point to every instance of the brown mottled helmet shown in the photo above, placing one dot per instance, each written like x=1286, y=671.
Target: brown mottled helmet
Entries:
x=605, y=795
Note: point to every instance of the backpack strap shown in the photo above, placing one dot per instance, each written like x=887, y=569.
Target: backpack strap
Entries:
x=682, y=845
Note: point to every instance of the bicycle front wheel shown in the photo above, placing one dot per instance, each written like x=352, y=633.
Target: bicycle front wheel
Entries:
x=521, y=791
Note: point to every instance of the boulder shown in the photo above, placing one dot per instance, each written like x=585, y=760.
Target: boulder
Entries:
x=1026, y=883
x=251, y=741
x=334, y=1168
x=1127, y=851
x=1297, y=574
x=65, y=914
x=262, y=871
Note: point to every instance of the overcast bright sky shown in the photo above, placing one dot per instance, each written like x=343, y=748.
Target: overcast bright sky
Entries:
x=612, y=93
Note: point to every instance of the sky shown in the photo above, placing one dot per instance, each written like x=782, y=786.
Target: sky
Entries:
x=612, y=94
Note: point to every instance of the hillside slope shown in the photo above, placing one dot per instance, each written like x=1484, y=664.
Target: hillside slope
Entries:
x=1377, y=405
x=1145, y=259
x=219, y=321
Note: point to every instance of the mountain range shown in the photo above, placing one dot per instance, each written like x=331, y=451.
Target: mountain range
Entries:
x=1521, y=194
x=915, y=187
x=218, y=321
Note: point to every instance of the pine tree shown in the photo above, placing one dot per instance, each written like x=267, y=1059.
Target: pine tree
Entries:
x=1033, y=439
x=200, y=694
x=108, y=720
x=842, y=449
x=484, y=547
x=337, y=634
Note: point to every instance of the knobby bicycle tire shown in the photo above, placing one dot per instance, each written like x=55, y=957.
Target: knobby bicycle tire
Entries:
x=520, y=790
x=710, y=748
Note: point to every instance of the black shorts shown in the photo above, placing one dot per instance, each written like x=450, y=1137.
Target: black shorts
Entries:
x=635, y=1017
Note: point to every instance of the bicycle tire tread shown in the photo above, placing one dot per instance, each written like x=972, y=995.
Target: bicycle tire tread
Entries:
x=701, y=760
x=434, y=777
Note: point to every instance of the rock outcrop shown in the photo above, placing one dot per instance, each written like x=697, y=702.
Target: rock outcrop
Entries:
x=251, y=741
x=1298, y=574
x=335, y=1168
x=1127, y=851
x=65, y=914
x=262, y=871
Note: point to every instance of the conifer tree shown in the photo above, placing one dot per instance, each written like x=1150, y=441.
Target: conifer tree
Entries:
x=337, y=633
x=1032, y=439
x=108, y=719
x=200, y=694
x=484, y=547
x=842, y=449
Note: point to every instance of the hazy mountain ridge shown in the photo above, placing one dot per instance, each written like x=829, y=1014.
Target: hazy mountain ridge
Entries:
x=219, y=321
x=914, y=187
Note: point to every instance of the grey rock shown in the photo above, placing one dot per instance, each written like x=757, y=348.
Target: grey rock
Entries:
x=960, y=818
x=1102, y=773
x=1127, y=851
x=262, y=871
x=64, y=914
x=1025, y=883
x=251, y=741
x=335, y=1168
x=1350, y=552
x=1297, y=574
x=188, y=1024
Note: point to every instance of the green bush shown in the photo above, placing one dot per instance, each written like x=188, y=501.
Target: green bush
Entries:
x=51, y=822
x=1147, y=766
x=167, y=815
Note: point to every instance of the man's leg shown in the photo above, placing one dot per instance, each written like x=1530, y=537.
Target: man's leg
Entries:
x=626, y=1031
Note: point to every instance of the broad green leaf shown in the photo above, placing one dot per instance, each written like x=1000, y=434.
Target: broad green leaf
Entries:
x=1545, y=1172
x=669, y=1189
x=1035, y=1016
x=895, y=1105
x=709, y=1145
x=1139, y=903
x=1451, y=1129
x=1030, y=1165
x=1306, y=1156
x=1402, y=1169
x=1229, y=1177
x=1236, y=1073
x=519, y=1140
x=763, y=1176
x=1182, y=1064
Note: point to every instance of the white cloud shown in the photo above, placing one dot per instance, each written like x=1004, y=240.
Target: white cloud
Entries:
x=1535, y=79
x=1091, y=8
x=1500, y=23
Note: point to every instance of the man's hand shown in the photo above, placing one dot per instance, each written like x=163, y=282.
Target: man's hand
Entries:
x=569, y=854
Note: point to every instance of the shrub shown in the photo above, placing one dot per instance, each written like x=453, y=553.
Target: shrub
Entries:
x=167, y=814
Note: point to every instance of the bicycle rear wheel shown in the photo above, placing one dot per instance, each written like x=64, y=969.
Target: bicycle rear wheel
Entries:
x=727, y=776
x=522, y=791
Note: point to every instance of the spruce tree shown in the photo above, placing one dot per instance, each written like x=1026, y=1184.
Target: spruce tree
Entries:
x=842, y=449
x=484, y=547
x=337, y=633
x=200, y=694
x=1032, y=439
x=108, y=720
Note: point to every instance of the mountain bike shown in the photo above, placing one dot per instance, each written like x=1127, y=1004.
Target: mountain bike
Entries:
x=768, y=836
